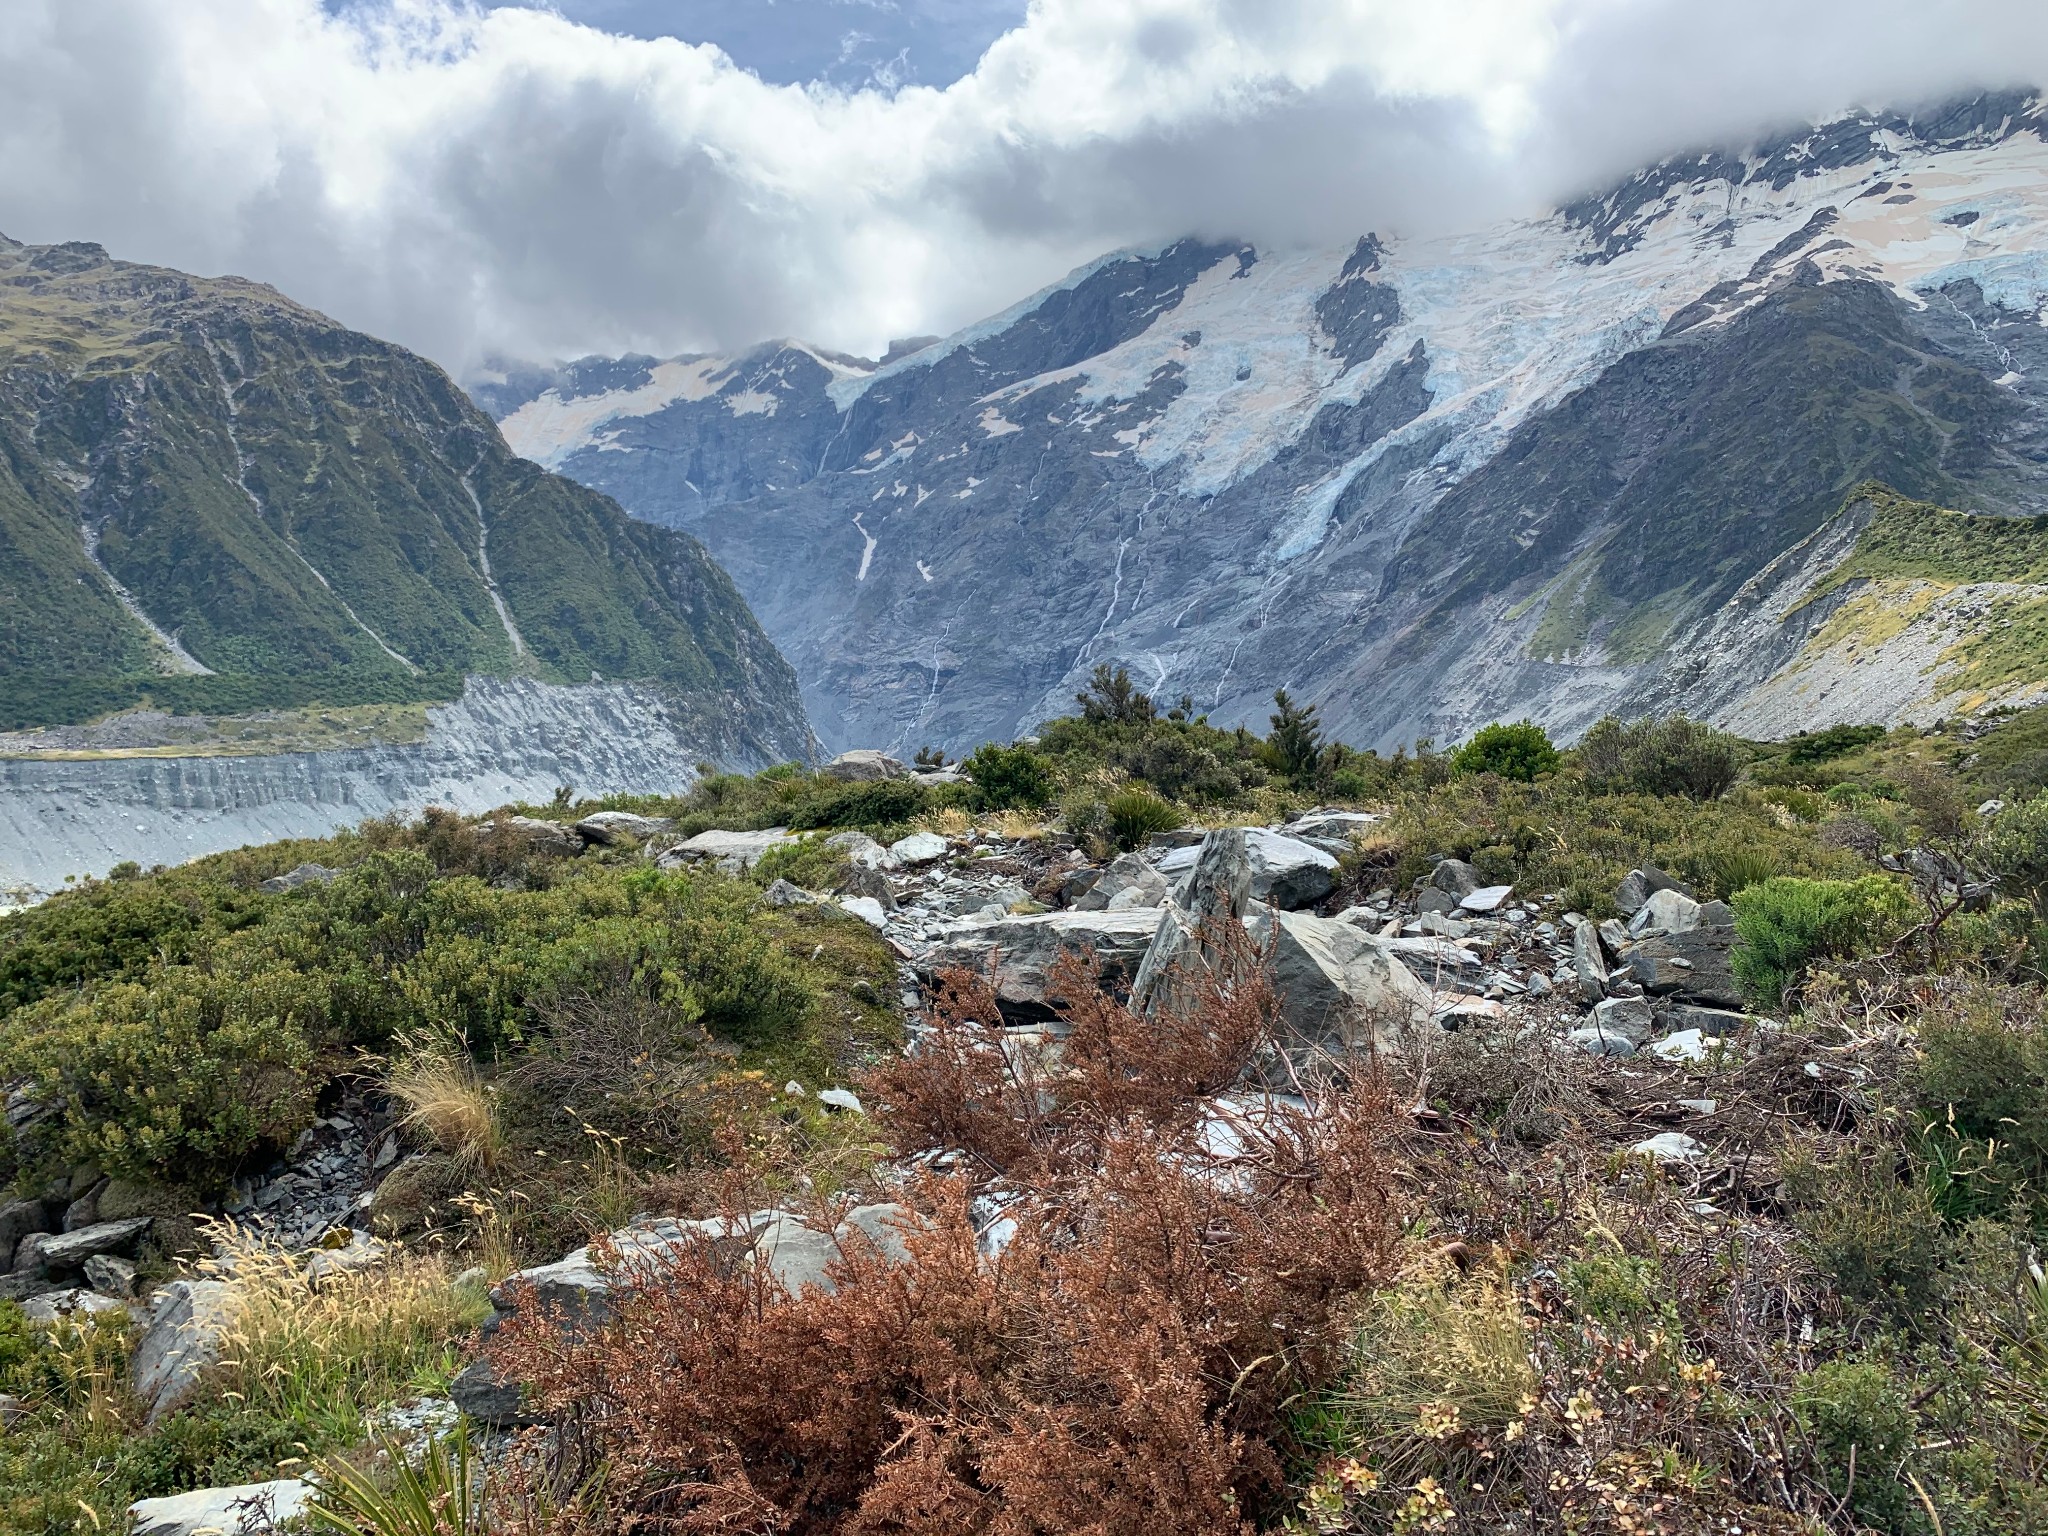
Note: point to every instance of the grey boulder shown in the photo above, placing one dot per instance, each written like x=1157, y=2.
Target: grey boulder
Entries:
x=1455, y=878
x=919, y=848
x=18, y=1218
x=541, y=836
x=1128, y=882
x=1285, y=871
x=864, y=765
x=861, y=851
x=1665, y=912
x=1692, y=967
x=181, y=1340
x=1638, y=885
x=1339, y=986
x=1188, y=936
x=1627, y=1017
x=292, y=879
x=1024, y=950
x=1589, y=964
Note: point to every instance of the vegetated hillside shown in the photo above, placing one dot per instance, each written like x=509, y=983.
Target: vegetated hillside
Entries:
x=1542, y=1230
x=1426, y=483
x=1891, y=609
x=217, y=500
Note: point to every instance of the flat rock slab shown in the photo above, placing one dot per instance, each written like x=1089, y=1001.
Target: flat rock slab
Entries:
x=735, y=851
x=919, y=848
x=1025, y=949
x=618, y=828
x=68, y=1250
x=248, y=1509
x=1486, y=899
x=1427, y=956
x=1338, y=825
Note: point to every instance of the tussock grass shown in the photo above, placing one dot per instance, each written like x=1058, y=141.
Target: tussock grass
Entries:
x=318, y=1349
x=446, y=1101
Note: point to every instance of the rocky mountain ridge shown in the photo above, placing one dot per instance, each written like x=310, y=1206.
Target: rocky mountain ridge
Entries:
x=1422, y=483
x=218, y=503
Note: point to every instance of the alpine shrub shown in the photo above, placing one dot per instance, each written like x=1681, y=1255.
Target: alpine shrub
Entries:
x=1786, y=923
x=1672, y=756
x=1011, y=778
x=883, y=803
x=2017, y=851
x=1521, y=752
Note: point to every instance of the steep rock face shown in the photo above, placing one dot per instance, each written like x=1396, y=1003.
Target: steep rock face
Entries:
x=1422, y=483
x=204, y=482
x=504, y=740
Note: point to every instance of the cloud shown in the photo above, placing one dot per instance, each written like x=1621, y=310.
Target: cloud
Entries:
x=505, y=182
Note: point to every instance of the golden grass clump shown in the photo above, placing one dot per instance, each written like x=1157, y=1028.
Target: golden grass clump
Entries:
x=446, y=1101
x=319, y=1343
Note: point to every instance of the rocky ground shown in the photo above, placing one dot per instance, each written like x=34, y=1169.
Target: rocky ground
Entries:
x=1379, y=969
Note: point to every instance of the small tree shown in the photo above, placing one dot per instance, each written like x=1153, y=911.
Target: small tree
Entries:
x=1521, y=751
x=1111, y=698
x=1296, y=740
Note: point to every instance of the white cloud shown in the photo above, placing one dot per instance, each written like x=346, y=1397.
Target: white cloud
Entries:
x=472, y=183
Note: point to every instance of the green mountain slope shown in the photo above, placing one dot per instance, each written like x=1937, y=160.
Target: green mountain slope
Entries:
x=217, y=499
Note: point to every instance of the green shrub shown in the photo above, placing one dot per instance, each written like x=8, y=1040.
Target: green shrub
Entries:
x=1672, y=756
x=1522, y=752
x=2016, y=849
x=181, y=1079
x=807, y=862
x=1872, y=1231
x=1294, y=745
x=1861, y=1430
x=1012, y=778
x=1836, y=741
x=1135, y=814
x=1981, y=1083
x=1785, y=924
x=882, y=803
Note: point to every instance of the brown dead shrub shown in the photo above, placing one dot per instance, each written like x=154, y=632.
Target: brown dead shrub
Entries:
x=1123, y=1364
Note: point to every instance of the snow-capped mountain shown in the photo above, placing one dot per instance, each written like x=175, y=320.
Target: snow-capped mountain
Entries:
x=1425, y=483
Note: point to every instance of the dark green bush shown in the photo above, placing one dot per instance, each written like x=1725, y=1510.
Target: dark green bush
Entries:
x=181, y=1079
x=1785, y=924
x=1836, y=741
x=2016, y=849
x=1012, y=778
x=1861, y=1430
x=1672, y=756
x=882, y=803
x=1522, y=752
x=1982, y=1084
x=1872, y=1228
